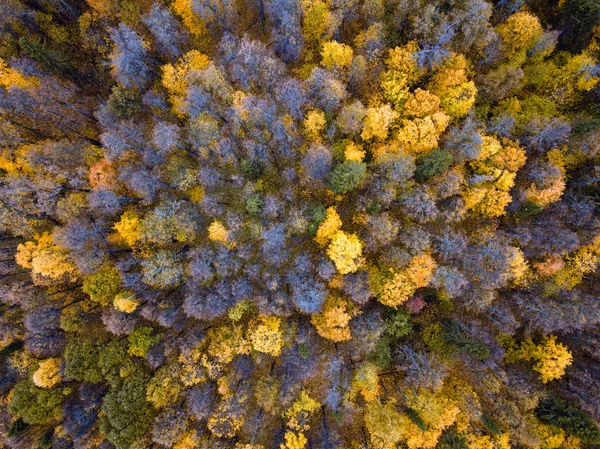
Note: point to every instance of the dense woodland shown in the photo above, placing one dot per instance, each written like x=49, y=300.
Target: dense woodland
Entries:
x=290, y=224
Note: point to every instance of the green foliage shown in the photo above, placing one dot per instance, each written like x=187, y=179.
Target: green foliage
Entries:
x=490, y=424
x=382, y=354
x=103, y=285
x=303, y=350
x=17, y=427
x=36, y=405
x=464, y=342
x=254, y=204
x=141, y=340
x=51, y=59
x=558, y=412
x=397, y=324
x=451, y=439
x=126, y=415
x=46, y=439
x=123, y=103
x=529, y=209
x=347, y=176
x=317, y=217
x=252, y=169
x=433, y=163
x=81, y=361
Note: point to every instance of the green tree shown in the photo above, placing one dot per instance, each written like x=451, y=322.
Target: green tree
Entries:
x=347, y=176
x=36, y=405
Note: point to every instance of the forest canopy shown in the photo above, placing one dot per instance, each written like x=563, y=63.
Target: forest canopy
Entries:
x=300, y=224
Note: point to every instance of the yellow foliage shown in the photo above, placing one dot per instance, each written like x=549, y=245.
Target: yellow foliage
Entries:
x=196, y=194
x=402, y=59
x=10, y=78
x=225, y=342
x=328, y=227
x=520, y=32
x=345, y=250
x=420, y=270
x=336, y=55
x=382, y=421
x=45, y=258
x=294, y=441
x=187, y=441
x=551, y=357
x=546, y=196
x=392, y=288
x=300, y=410
x=479, y=441
x=366, y=382
x=453, y=72
x=125, y=301
x=420, y=135
x=217, y=232
x=457, y=101
x=184, y=9
x=223, y=424
x=450, y=83
x=421, y=104
x=354, y=152
x=377, y=122
x=486, y=200
x=332, y=322
x=265, y=335
x=436, y=411
x=401, y=73
x=175, y=79
x=129, y=228
x=317, y=22
x=48, y=373
x=314, y=123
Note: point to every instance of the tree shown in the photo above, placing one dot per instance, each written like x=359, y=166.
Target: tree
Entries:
x=294, y=441
x=336, y=56
x=432, y=164
x=126, y=415
x=81, y=361
x=558, y=412
x=377, y=121
x=103, y=285
x=131, y=64
x=169, y=427
x=164, y=388
x=345, y=250
x=36, y=405
x=332, y=322
x=45, y=258
x=141, y=340
x=551, y=357
x=347, y=176
x=48, y=373
x=265, y=335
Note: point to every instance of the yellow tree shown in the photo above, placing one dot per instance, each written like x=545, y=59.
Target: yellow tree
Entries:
x=329, y=226
x=451, y=84
x=345, y=250
x=294, y=441
x=175, y=77
x=335, y=55
x=265, y=335
x=552, y=357
x=332, y=322
x=45, y=258
x=377, y=122
x=402, y=72
x=48, y=373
